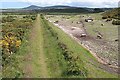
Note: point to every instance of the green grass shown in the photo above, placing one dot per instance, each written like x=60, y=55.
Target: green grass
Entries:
x=33, y=52
x=55, y=61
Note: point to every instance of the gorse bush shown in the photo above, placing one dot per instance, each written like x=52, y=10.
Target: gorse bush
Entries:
x=14, y=33
x=73, y=66
x=8, y=19
x=32, y=17
x=116, y=22
x=104, y=17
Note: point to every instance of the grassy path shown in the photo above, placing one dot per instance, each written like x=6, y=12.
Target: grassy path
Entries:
x=36, y=66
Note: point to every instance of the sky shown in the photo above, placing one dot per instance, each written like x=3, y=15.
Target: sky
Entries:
x=42, y=3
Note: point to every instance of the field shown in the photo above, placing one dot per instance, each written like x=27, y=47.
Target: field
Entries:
x=51, y=46
x=101, y=37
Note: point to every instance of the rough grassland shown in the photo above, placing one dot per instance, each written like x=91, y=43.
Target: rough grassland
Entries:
x=44, y=58
x=86, y=57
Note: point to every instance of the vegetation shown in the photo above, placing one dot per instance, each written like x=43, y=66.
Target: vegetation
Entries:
x=63, y=55
x=116, y=22
x=8, y=19
x=97, y=10
x=72, y=55
x=33, y=17
x=14, y=33
x=104, y=17
x=114, y=13
x=73, y=68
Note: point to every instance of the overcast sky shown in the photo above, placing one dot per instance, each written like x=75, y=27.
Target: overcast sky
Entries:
x=78, y=3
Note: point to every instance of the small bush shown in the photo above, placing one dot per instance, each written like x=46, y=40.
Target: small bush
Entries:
x=73, y=66
x=109, y=19
x=33, y=17
x=8, y=19
x=104, y=17
x=116, y=22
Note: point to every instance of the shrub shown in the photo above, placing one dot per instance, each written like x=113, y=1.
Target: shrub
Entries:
x=109, y=19
x=73, y=66
x=33, y=17
x=28, y=16
x=8, y=19
x=116, y=22
x=104, y=17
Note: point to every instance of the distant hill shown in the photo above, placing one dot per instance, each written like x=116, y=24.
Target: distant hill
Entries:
x=63, y=8
x=58, y=7
x=32, y=7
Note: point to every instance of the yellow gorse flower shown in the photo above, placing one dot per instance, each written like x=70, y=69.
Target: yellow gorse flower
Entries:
x=18, y=43
x=5, y=43
x=1, y=42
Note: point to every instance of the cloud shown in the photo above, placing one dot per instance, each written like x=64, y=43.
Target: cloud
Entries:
x=87, y=3
x=90, y=3
x=98, y=3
